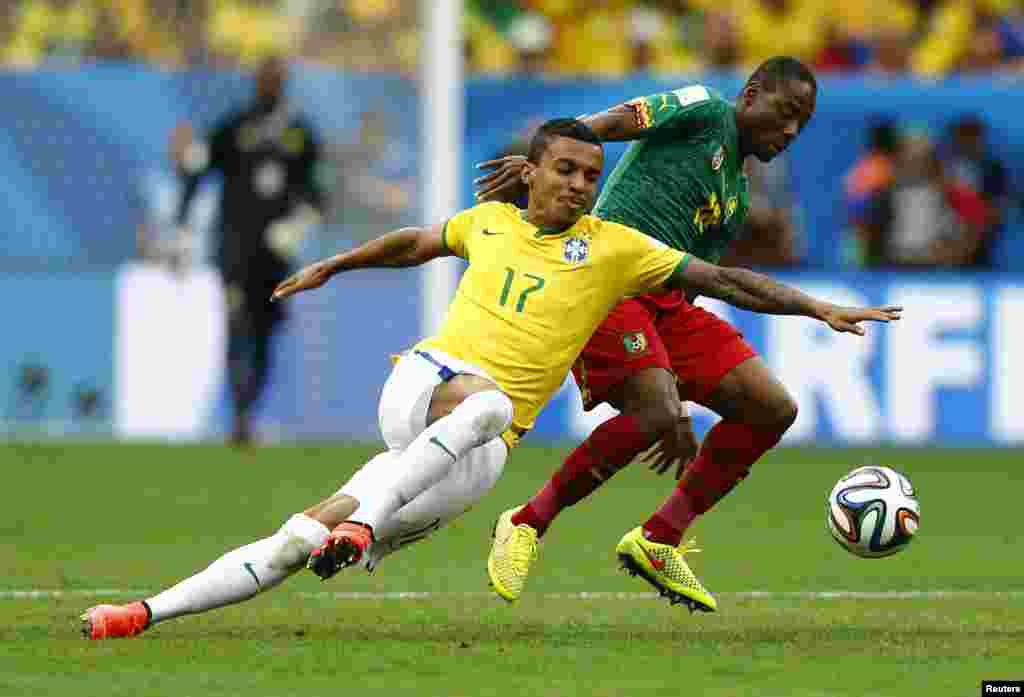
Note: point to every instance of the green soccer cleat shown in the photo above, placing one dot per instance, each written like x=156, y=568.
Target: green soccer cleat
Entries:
x=664, y=568
x=508, y=564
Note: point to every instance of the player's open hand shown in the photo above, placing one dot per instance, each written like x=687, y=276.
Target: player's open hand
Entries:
x=313, y=276
x=679, y=446
x=504, y=183
x=848, y=319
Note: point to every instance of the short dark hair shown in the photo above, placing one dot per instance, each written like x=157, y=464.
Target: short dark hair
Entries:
x=781, y=68
x=559, y=128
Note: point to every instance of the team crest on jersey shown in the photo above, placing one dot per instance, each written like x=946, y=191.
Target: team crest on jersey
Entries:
x=635, y=343
x=576, y=250
x=718, y=159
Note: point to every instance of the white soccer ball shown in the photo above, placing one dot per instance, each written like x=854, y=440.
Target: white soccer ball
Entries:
x=873, y=512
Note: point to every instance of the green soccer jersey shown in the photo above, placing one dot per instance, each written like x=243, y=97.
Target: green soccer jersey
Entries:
x=683, y=183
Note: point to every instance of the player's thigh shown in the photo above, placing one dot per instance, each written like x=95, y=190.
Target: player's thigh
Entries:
x=703, y=350
x=751, y=393
x=405, y=401
x=626, y=344
x=469, y=480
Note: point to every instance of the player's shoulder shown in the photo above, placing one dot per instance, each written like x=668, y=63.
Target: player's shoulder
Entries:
x=494, y=209
x=489, y=213
x=701, y=96
x=621, y=235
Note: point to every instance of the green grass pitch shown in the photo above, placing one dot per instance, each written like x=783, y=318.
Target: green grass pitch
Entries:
x=82, y=518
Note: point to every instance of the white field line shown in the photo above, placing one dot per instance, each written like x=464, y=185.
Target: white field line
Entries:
x=48, y=594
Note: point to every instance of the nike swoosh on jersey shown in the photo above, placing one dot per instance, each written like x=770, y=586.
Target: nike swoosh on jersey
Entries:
x=489, y=233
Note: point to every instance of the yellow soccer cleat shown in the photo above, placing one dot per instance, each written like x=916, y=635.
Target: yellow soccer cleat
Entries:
x=508, y=564
x=664, y=568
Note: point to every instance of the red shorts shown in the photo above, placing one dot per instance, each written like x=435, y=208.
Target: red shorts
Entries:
x=659, y=331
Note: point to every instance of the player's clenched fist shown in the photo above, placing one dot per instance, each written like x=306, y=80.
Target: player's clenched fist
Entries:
x=313, y=276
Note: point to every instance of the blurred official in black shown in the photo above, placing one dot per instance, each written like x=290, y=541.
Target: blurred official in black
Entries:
x=268, y=155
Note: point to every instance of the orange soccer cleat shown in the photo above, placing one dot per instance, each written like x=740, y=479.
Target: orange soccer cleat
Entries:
x=115, y=621
x=345, y=546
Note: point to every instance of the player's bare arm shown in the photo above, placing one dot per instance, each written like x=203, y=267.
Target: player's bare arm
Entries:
x=754, y=291
x=410, y=246
x=503, y=183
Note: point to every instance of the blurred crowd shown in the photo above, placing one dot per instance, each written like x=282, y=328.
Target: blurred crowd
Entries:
x=361, y=35
x=598, y=38
x=921, y=199
x=612, y=38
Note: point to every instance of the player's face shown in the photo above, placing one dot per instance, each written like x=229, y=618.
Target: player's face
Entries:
x=772, y=120
x=563, y=185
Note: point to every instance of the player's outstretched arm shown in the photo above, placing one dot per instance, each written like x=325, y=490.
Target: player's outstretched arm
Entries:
x=754, y=291
x=409, y=246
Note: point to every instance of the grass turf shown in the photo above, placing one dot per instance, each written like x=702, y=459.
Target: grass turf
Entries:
x=86, y=517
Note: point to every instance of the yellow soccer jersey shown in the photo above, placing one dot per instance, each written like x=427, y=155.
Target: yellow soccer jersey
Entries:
x=530, y=299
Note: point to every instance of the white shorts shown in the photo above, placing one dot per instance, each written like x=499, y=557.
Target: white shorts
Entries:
x=402, y=414
x=405, y=399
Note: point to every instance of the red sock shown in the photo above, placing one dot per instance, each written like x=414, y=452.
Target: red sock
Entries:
x=725, y=457
x=609, y=448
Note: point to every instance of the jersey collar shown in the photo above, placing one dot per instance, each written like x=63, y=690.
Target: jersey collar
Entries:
x=545, y=231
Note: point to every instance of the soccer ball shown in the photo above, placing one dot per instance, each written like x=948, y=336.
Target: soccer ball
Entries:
x=873, y=512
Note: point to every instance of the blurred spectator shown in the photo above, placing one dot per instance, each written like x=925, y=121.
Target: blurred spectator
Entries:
x=593, y=39
x=770, y=235
x=891, y=53
x=923, y=218
x=246, y=32
x=841, y=51
x=853, y=27
x=530, y=36
x=721, y=42
x=361, y=35
x=374, y=176
x=505, y=37
x=971, y=165
x=863, y=184
x=599, y=38
x=984, y=52
x=969, y=35
x=780, y=27
x=268, y=155
x=52, y=30
x=667, y=37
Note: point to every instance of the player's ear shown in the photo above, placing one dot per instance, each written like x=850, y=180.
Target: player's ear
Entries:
x=526, y=175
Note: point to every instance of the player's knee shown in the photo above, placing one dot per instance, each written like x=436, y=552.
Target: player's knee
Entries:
x=489, y=464
x=657, y=415
x=491, y=414
x=786, y=413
